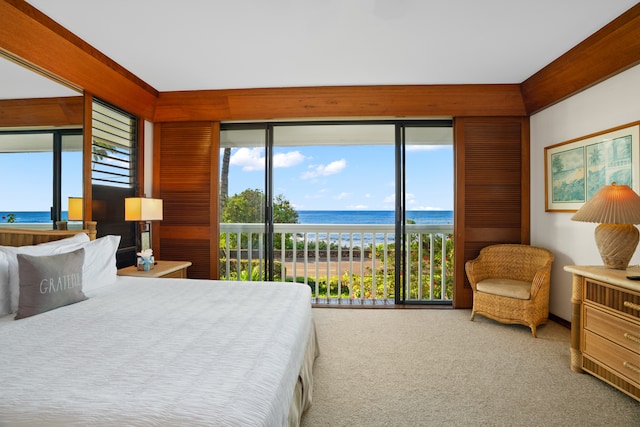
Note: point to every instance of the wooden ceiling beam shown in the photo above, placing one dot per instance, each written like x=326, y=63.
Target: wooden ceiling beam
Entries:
x=341, y=101
x=609, y=51
x=37, y=41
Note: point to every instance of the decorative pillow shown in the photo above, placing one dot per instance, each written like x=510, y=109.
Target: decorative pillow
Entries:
x=99, y=266
x=43, y=249
x=48, y=282
x=5, y=294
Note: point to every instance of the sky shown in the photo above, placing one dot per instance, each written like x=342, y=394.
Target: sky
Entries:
x=348, y=177
x=26, y=180
x=354, y=177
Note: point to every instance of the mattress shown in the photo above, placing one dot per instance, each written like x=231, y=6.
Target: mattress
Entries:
x=159, y=352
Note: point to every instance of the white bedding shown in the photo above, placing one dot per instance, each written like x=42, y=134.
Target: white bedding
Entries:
x=158, y=352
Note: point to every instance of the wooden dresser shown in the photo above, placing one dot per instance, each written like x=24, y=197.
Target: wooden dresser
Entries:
x=605, y=325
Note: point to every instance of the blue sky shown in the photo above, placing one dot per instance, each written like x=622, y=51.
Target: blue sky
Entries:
x=310, y=177
x=26, y=180
x=348, y=177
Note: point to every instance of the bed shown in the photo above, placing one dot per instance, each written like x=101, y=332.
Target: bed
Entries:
x=141, y=351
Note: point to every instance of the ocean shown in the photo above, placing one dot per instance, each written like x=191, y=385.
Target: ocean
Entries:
x=372, y=217
x=304, y=217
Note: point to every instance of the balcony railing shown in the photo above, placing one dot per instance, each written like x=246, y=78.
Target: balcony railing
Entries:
x=345, y=263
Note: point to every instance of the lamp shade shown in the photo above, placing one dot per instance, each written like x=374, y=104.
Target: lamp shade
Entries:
x=142, y=209
x=75, y=209
x=616, y=208
x=612, y=204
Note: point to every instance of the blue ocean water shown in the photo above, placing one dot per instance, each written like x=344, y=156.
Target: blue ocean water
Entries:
x=30, y=217
x=372, y=217
x=304, y=217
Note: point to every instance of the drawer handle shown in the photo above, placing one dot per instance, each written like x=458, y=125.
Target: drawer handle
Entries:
x=631, y=305
x=633, y=338
x=631, y=366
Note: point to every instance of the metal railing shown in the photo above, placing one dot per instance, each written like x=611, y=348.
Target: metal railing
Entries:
x=345, y=263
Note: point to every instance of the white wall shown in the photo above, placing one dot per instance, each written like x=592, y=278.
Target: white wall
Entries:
x=612, y=103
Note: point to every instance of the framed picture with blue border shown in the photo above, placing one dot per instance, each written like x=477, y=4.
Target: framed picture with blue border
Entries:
x=575, y=170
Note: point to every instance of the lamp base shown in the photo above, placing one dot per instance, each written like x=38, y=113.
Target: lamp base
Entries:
x=617, y=243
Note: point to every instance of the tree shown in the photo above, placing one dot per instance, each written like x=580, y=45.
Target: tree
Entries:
x=246, y=207
x=224, y=180
x=283, y=212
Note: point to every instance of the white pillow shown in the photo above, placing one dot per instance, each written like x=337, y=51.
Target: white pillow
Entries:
x=99, y=266
x=43, y=249
x=48, y=248
x=68, y=241
x=5, y=294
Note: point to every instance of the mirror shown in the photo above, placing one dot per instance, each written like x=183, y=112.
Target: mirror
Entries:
x=40, y=146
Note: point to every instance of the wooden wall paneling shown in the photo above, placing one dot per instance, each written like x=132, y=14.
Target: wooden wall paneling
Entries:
x=185, y=158
x=612, y=49
x=87, y=157
x=36, y=40
x=62, y=111
x=347, y=101
x=491, y=203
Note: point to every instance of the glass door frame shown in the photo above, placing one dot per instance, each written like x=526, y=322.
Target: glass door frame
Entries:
x=400, y=296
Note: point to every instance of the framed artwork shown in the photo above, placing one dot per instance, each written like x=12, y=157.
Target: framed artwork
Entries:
x=575, y=170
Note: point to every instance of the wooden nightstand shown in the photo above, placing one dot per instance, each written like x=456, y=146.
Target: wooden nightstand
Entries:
x=176, y=269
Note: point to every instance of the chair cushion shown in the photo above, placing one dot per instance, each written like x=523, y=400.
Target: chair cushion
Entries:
x=505, y=287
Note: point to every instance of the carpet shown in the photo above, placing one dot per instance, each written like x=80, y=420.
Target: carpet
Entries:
x=434, y=367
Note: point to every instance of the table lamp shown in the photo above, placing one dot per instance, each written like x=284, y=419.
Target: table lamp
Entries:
x=616, y=208
x=74, y=211
x=143, y=210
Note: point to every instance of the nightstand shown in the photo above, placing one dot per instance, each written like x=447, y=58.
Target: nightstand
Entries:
x=162, y=269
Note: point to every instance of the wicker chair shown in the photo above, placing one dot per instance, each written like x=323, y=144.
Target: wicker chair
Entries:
x=511, y=284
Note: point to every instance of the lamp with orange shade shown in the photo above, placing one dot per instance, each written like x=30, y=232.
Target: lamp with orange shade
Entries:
x=143, y=209
x=616, y=208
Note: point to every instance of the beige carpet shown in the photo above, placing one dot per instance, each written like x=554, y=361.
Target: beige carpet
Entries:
x=433, y=367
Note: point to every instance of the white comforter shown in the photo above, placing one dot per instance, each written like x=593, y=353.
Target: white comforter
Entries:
x=158, y=352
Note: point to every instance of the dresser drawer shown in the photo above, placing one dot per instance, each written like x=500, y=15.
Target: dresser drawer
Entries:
x=619, y=330
x=620, y=300
x=624, y=362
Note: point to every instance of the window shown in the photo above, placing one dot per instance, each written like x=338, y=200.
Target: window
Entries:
x=39, y=170
x=114, y=175
x=114, y=147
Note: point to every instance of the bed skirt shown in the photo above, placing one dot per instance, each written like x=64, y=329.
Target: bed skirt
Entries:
x=303, y=393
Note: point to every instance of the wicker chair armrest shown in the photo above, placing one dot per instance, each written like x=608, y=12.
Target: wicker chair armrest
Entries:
x=541, y=278
x=476, y=271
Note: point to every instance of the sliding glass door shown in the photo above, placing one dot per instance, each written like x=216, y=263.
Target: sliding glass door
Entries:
x=339, y=206
x=243, y=203
x=339, y=179
x=425, y=177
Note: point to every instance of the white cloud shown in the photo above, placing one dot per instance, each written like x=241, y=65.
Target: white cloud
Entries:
x=342, y=196
x=390, y=199
x=286, y=160
x=358, y=207
x=250, y=159
x=426, y=147
x=322, y=170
